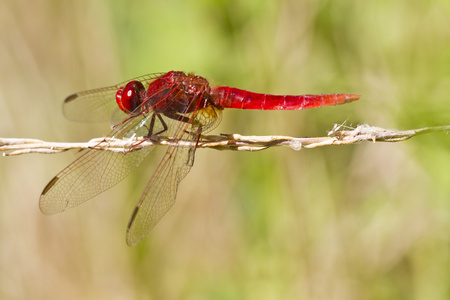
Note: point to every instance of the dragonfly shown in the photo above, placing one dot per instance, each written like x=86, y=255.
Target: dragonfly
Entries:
x=173, y=104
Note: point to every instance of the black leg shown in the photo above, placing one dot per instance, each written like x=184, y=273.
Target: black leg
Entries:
x=177, y=117
x=152, y=125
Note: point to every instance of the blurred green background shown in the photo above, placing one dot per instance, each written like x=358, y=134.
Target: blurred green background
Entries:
x=367, y=221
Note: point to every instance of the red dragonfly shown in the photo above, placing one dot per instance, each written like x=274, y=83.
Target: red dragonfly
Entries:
x=171, y=104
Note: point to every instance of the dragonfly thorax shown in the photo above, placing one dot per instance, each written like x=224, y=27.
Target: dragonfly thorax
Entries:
x=178, y=92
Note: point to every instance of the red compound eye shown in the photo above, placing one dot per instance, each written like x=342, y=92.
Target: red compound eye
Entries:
x=129, y=97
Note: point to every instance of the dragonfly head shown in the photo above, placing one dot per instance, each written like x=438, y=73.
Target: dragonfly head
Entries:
x=130, y=97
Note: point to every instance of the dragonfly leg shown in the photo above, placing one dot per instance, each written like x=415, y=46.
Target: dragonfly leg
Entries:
x=152, y=136
x=177, y=117
x=181, y=118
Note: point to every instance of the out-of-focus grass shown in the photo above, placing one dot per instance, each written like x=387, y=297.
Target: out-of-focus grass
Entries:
x=370, y=221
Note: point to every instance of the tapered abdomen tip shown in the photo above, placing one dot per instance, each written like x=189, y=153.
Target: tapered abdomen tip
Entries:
x=352, y=97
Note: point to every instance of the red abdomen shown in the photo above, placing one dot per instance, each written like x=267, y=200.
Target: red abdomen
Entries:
x=228, y=97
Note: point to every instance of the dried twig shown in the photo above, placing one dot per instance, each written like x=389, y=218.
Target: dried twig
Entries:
x=339, y=135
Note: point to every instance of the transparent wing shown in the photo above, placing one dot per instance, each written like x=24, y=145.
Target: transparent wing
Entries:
x=99, y=104
x=160, y=193
x=95, y=171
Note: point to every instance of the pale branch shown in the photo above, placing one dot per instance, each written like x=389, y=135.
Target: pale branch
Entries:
x=339, y=135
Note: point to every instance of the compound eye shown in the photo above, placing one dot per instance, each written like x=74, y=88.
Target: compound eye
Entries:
x=130, y=97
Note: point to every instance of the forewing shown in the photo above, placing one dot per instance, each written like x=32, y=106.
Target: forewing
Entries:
x=95, y=171
x=99, y=104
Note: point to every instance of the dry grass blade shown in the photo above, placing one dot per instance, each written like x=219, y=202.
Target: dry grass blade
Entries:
x=339, y=135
